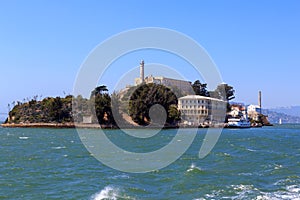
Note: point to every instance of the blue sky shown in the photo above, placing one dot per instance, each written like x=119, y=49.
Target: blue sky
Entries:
x=255, y=44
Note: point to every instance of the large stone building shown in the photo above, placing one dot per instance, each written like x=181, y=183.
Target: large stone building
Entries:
x=196, y=110
x=182, y=85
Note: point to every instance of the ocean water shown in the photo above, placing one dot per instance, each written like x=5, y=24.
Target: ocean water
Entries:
x=261, y=163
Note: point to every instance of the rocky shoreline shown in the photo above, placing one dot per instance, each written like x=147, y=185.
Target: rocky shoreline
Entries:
x=77, y=125
x=97, y=126
x=55, y=125
x=94, y=126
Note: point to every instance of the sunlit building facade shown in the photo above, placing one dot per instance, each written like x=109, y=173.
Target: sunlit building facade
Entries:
x=196, y=110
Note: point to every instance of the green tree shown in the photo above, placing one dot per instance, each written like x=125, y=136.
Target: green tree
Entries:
x=55, y=109
x=99, y=90
x=174, y=114
x=102, y=104
x=224, y=92
x=200, y=88
x=147, y=95
x=116, y=109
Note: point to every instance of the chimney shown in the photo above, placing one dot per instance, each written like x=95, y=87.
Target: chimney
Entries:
x=259, y=100
x=142, y=76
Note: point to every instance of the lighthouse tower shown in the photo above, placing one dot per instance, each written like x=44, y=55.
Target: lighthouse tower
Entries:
x=142, y=74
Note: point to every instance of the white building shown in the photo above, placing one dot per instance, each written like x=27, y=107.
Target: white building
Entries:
x=237, y=111
x=253, y=108
x=196, y=110
x=254, y=111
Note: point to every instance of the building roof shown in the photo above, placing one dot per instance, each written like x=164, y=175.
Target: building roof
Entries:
x=199, y=97
x=255, y=106
x=162, y=77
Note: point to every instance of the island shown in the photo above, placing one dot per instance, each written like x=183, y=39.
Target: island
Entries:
x=151, y=102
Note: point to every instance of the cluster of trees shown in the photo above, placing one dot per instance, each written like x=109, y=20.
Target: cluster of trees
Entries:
x=98, y=106
x=223, y=91
x=105, y=108
x=59, y=110
x=47, y=110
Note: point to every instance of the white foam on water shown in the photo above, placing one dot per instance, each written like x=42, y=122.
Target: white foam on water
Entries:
x=24, y=138
x=283, y=181
x=245, y=174
x=215, y=194
x=252, y=150
x=193, y=167
x=278, y=166
x=294, y=188
x=63, y=147
x=249, y=191
x=109, y=192
x=242, y=187
x=243, y=191
x=9, y=134
x=292, y=192
x=121, y=176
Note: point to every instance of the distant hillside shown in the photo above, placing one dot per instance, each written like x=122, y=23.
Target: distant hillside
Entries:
x=275, y=116
x=293, y=110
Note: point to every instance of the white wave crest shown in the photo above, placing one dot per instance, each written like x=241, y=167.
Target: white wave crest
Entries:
x=193, y=167
x=292, y=192
x=23, y=138
x=59, y=147
x=108, y=192
x=121, y=176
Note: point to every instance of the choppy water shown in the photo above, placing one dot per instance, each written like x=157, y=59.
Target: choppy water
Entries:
x=245, y=164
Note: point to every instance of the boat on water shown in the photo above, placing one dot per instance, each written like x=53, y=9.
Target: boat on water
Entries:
x=238, y=123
